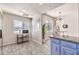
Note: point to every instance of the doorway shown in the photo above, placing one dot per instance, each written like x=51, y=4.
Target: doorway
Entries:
x=48, y=26
x=12, y=25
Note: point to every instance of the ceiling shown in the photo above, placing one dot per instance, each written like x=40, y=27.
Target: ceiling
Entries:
x=32, y=7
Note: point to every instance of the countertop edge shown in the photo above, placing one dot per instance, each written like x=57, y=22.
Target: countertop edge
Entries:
x=65, y=40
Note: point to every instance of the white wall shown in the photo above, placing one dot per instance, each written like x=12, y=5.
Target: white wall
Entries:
x=69, y=12
x=36, y=31
x=0, y=29
x=0, y=23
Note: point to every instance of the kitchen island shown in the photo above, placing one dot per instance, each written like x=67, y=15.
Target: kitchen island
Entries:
x=67, y=45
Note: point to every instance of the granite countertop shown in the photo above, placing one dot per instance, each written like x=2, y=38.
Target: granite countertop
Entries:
x=67, y=38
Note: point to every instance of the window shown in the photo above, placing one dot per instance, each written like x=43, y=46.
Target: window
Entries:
x=18, y=24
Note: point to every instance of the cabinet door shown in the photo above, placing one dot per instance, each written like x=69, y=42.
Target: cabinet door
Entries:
x=68, y=51
x=77, y=49
x=55, y=49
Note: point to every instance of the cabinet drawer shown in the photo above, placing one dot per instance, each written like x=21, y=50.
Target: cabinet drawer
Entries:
x=68, y=51
x=69, y=44
x=55, y=41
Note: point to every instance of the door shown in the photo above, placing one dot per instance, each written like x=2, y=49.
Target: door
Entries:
x=55, y=49
x=68, y=51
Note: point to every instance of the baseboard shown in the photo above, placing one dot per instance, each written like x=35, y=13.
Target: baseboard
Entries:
x=8, y=44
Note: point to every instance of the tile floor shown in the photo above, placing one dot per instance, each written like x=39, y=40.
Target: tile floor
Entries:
x=29, y=48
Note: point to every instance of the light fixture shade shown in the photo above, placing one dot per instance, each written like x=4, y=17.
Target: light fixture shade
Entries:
x=60, y=17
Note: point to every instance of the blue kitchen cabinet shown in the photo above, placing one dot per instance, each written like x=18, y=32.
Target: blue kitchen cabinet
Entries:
x=69, y=44
x=68, y=48
x=77, y=49
x=53, y=40
x=63, y=47
x=55, y=47
x=68, y=51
